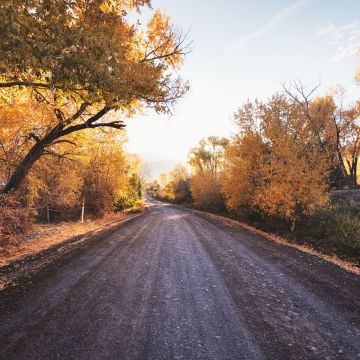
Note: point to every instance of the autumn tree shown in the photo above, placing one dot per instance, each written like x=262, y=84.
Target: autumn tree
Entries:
x=242, y=173
x=163, y=180
x=54, y=173
x=209, y=156
x=207, y=162
x=97, y=170
x=103, y=175
x=180, y=179
x=336, y=127
x=87, y=66
x=206, y=192
x=54, y=183
x=175, y=185
x=286, y=174
x=131, y=195
x=153, y=188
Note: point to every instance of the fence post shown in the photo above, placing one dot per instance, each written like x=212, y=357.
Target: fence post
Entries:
x=82, y=211
x=47, y=213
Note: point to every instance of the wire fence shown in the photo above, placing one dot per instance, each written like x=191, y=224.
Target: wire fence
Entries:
x=50, y=214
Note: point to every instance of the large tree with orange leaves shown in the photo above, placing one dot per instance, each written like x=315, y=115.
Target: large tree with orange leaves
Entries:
x=275, y=165
x=87, y=66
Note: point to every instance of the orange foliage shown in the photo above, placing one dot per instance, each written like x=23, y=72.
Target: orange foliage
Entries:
x=13, y=220
x=275, y=164
x=206, y=192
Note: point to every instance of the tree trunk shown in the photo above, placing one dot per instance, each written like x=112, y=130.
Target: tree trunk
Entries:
x=23, y=168
x=355, y=163
x=342, y=165
x=57, y=132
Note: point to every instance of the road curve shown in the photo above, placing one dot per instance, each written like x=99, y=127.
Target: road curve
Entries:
x=172, y=285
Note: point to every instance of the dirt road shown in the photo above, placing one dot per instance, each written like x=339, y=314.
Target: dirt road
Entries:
x=172, y=285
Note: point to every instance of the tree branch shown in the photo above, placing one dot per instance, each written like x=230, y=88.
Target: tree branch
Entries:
x=113, y=124
x=81, y=110
x=60, y=116
x=88, y=124
x=39, y=85
x=27, y=83
x=34, y=136
x=178, y=49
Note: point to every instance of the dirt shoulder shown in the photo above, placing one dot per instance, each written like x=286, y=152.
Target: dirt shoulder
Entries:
x=44, y=236
x=52, y=245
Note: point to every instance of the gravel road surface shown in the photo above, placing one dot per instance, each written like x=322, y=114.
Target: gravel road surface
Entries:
x=173, y=285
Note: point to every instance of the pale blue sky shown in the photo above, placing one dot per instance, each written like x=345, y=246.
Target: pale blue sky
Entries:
x=246, y=49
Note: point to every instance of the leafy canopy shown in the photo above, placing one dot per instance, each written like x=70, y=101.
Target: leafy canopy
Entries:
x=88, y=51
x=80, y=61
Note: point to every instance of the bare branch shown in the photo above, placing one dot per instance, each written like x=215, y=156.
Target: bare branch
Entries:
x=56, y=154
x=180, y=48
x=40, y=96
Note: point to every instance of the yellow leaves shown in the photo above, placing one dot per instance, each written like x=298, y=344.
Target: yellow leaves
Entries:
x=163, y=39
x=129, y=5
x=242, y=174
x=275, y=165
x=209, y=155
x=158, y=26
x=206, y=192
x=81, y=59
x=174, y=186
x=24, y=116
x=92, y=46
x=105, y=7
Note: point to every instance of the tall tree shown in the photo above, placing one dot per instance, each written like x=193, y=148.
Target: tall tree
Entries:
x=336, y=127
x=86, y=64
x=275, y=164
x=207, y=161
x=209, y=156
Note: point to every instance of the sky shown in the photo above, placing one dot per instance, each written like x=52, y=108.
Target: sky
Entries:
x=245, y=50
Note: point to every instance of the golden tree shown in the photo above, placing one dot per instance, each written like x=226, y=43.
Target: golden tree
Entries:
x=175, y=185
x=276, y=164
x=206, y=192
x=83, y=60
x=209, y=156
x=242, y=173
x=336, y=127
x=207, y=162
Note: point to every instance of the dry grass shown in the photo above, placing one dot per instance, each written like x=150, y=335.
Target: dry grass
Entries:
x=45, y=236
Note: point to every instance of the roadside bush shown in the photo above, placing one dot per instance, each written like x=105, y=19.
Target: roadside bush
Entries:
x=206, y=192
x=131, y=197
x=13, y=220
x=336, y=230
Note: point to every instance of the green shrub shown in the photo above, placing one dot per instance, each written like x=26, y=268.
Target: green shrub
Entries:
x=336, y=230
x=132, y=196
